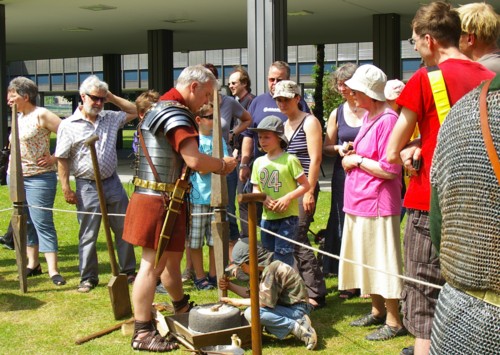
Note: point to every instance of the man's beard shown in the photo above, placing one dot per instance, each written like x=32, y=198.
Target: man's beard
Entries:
x=89, y=109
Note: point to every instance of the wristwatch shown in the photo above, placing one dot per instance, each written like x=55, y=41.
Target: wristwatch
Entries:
x=243, y=166
x=360, y=161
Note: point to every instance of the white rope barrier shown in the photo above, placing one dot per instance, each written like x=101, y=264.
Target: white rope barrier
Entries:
x=344, y=259
x=270, y=232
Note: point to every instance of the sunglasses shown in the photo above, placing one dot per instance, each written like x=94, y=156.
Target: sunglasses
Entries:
x=96, y=98
x=208, y=117
x=233, y=82
x=274, y=80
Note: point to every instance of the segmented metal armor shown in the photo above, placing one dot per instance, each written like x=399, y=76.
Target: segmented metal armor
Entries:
x=163, y=117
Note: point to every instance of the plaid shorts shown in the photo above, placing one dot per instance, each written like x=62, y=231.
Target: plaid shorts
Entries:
x=200, y=227
x=422, y=263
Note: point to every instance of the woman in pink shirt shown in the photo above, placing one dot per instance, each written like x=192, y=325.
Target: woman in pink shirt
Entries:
x=372, y=203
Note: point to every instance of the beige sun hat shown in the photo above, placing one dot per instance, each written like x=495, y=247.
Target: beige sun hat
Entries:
x=369, y=80
x=393, y=89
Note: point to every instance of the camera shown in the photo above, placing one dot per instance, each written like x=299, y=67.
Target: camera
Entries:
x=415, y=163
x=347, y=146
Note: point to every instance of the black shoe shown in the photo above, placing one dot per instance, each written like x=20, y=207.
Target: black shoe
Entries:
x=8, y=243
x=34, y=272
x=407, y=351
x=367, y=321
x=386, y=332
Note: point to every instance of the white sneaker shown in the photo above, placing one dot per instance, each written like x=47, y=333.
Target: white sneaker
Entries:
x=304, y=331
x=187, y=275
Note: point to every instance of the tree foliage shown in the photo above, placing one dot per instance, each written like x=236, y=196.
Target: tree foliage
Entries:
x=329, y=97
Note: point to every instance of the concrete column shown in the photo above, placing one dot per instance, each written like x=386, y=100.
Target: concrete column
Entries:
x=5, y=112
x=387, y=44
x=160, y=60
x=111, y=65
x=267, y=38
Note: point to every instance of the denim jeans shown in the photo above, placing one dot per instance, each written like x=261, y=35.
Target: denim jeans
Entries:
x=280, y=320
x=283, y=249
x=41, y=191
x=232, y=182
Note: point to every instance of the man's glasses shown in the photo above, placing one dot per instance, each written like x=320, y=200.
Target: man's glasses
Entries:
x=208, y=117
x=274, y=80
x=411, y=41
x=233, y=82
x=97, y=98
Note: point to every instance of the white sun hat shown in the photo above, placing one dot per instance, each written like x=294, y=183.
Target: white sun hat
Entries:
x=369, y=80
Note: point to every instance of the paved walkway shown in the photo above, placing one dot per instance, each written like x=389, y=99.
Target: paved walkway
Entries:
x=126, y=171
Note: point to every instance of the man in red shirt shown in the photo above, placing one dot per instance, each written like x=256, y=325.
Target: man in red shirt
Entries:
x=436, y=34
x=170, y=142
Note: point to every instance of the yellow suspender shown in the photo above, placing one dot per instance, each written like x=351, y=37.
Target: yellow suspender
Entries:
x=439, y=92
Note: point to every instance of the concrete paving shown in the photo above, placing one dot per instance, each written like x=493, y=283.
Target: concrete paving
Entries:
x=126, y=170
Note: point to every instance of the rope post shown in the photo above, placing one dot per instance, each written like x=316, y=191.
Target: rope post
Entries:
x=18, y=198
x=219, y=201
x=251, y=199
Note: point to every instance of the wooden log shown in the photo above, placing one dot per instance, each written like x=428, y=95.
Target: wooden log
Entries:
x=219, y=201
x=251, y=199
x=18, y=198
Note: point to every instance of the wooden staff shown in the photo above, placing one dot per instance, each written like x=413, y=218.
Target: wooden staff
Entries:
x=251, y=199
x=219, y=200
x=103, y=332
x=18, y=198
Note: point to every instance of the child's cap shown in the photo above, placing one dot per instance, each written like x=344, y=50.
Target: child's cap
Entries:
x=241, y=254
x=272, y=124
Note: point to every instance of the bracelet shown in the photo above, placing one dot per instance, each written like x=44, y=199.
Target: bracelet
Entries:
x=243, y=166
x=222, y=169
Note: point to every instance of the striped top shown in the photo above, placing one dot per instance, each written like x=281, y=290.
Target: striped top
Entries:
x=298, y=146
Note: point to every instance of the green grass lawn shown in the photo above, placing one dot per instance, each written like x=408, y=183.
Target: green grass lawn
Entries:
x=48, y=319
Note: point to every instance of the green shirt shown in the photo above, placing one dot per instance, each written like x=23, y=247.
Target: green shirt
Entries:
x=276, y=178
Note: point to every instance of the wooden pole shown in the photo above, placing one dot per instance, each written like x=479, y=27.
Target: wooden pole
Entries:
x=254, y=268
x=18, y=198
x=219, y=201
x=103, y=332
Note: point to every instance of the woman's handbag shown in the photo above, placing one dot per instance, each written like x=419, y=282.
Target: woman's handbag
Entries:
x=4, y=163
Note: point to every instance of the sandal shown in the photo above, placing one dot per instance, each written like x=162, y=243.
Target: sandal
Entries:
x=58, y=280
x=212, y=280
x=179, y=305
x=34, y=272
x=386, y=332
x=203, y=284
x=85, y=286
x=153, y=341
x=348, y=294
x=318, y=302
x=131, y=278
